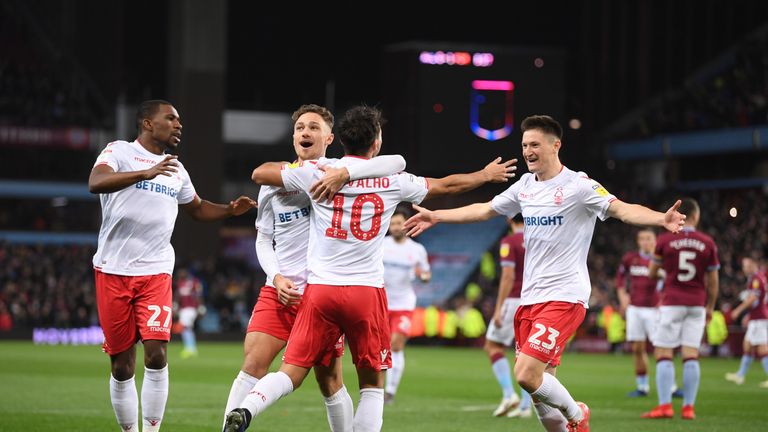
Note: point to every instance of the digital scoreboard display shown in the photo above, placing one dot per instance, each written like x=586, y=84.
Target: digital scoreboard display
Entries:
x=453, y=109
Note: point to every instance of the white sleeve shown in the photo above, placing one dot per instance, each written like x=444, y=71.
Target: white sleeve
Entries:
x=267, y=256
x=596, y=198
x=423, y=259
x=412, y=188
x=299, y=176
x=110, y=156
x=380, y=166
x=507, y=203
x=265, y=220
x=187, y=192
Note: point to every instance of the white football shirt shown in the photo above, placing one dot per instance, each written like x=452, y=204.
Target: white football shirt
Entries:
x=400, y=262
x=137, y=222
x=285, y=215
x=559, y=216
x=346, y=235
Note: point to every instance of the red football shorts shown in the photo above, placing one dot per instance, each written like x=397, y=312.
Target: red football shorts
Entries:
x=133, y=308
x=272, y=317
x=542, y=330
x=400, y=322
x=327, y=312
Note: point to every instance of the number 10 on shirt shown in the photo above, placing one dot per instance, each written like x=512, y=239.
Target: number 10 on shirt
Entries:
x=355, y=225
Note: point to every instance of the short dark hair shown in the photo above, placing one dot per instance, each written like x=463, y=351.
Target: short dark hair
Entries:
x=148, y=109
x=403, y=210
x=544, y=123
x=518, y=218
x=359, y=128
x=322, y=111
x=689, y=207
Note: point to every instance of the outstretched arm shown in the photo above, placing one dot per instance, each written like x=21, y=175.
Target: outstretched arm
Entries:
x=104, y=179
x=268, y=173
x=425, y=219
x=495, y=172
x=206, y=211
x=636, y=214
x=335, y=178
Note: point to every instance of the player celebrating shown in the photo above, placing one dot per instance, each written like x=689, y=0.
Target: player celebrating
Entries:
x=404, y=260
x=501, y=329
x=559, y=209
x=344, y=293
x=638, y=303
x=757, y=329
x=284, y=219
x=141, y=190
x=687, y=301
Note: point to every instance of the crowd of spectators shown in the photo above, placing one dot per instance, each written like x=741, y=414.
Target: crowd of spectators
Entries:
x=39, y=89
x=732, y=92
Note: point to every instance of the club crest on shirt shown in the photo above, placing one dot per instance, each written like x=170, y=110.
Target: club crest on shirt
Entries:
x=559, y=195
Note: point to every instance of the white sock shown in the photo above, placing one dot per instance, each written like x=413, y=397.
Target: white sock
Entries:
x=125, y=402
x=340, y=411
x=242, y=384
x=551, y=418
x=154, y=394
x=396, y=372
x=554, y=394
x=370, y=410
x=267, y=391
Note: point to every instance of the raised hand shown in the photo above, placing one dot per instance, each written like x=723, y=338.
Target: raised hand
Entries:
x=166, y=167
x=286, y=291
x=673, y=219
x=241, y=205
x=500, y=172
x=420, y=222
x=332, y=182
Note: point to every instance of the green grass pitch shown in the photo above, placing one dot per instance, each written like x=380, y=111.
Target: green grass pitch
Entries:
x=65, y=388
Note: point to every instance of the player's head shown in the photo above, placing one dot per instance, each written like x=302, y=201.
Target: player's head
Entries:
x=397, y=223
x=159, y=121
x=541, y=142
x=646, y=240
x=312, y=131
x=360, y=131
x=690, y=208
x=749, y=266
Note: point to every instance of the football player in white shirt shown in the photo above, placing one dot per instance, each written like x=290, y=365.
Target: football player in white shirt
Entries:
x=284, y=219
x=559, y=208
x=404, y=260
x=344, y=292
x=141, y=188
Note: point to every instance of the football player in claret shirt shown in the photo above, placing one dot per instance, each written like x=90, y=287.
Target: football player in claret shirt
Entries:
x=559, y=208
x=501, y=329
x=344, y=293
x=639, y=297
x=189, y=292
x=404, y=261
x=691, y=284
x=757, y=328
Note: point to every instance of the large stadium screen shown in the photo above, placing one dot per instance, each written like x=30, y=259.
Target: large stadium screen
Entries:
x=455, y=109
